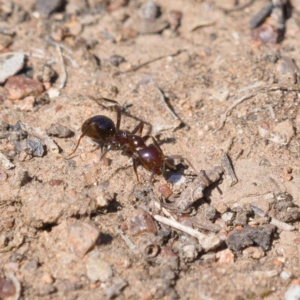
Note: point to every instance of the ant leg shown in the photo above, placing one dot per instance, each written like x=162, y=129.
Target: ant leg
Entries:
x=80, y=138
x=156, y=144
x=138, y=128
x=151, y=178
x=184, y=159
x=171, y=166
x=135, y=169
x=114, y=104
x=145, y=137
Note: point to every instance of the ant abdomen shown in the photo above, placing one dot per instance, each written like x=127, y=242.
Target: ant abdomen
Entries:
x=152, y=159
x=99, y=128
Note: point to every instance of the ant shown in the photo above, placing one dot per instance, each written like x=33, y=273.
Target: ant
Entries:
x=105, y=133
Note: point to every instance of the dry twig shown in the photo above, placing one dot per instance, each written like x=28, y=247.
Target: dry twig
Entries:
x=63, y=79
x=133, y=69
x=16, y=283
x=176, y=121
x=253, y=93
x=228, y=168
x=127, y=241
x=207, y=242
x=279, y=224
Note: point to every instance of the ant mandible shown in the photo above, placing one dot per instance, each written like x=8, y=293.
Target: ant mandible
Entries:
x=105, y=133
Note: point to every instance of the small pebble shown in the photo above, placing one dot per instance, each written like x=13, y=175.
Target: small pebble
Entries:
x=46, y=7
x=189, y=253
x=55, y=182
x=47, y=278
x=115, y=289
x=18, y=87
x=7, y=288
x=228, y=217
x=5, y=42
x=74, y=27
x=115, y=60
x=285, y=129
x=33, y=147
x=165, y=190
x=221, y=95
x=285, y=275
x=253, y=252
x=98, y=269
x=27, y=104
x=293, y=292
x=225, y=256
x=10, y=64
x=221, y=207
x=210, y=212
x=209, y=257
x=177, y=179
x=265, y=34
x=103, y=200
x=149, y=10
x=143, y=222
x=82, y=237
x=53, y=93
x=44, y=73
x=59, y=130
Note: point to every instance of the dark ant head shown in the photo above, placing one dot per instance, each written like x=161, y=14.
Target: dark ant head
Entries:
x=99, y=128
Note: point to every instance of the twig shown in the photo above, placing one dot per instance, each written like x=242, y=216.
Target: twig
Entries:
x=226, y=11
x=165, y=211
x=7, y=31
x=30, y=54
x=72, y=61
x=201, y=25
x=16, y=283
x=228, y=168
x=279, y=224
x=54, y=43
x=257, y=90
x=207, y=242
x=177, y=122
x=127, y=241
x=133, y=69
x=64, y=71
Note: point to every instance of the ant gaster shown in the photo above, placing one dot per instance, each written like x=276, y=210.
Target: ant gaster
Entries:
x=105, y=133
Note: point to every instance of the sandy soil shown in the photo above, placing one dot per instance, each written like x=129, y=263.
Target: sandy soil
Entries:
x=84, y=228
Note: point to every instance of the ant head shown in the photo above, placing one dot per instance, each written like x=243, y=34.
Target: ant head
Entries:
x=99, y=128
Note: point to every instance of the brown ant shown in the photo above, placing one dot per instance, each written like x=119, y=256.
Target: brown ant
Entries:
x=105, y=133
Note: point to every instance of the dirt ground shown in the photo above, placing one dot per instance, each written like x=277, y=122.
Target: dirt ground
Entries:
x=77, y=227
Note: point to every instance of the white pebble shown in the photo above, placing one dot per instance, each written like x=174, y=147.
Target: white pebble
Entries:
x=293, y=293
